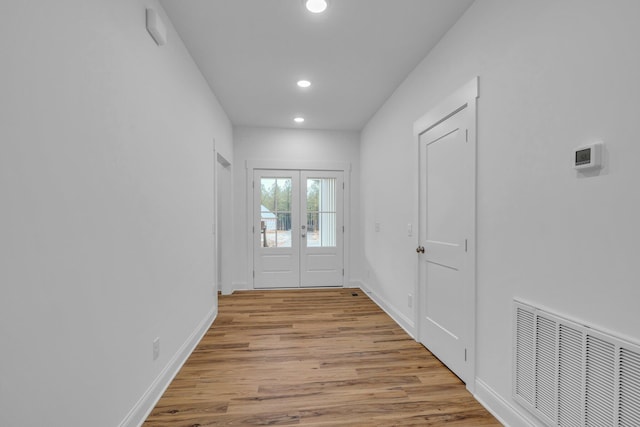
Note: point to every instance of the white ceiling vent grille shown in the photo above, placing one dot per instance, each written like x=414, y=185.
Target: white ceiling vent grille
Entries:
x=571, y=375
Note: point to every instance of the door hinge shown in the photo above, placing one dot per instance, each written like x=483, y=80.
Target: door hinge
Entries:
x=343, y=185
x=254, y=276
x=466, y=135
x=466, y=246
x=343, y=228
x=343, y=272
x=253, y=184
x=465, y=354
x=253, y=229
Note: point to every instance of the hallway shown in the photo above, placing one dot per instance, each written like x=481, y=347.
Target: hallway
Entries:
x=313, y=357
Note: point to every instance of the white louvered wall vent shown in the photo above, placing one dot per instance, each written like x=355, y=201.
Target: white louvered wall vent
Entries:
x=570, y=375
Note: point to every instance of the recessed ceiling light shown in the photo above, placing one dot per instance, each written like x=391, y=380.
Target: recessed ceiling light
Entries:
x=304, y=83
x=316, y=6
x=299, y=119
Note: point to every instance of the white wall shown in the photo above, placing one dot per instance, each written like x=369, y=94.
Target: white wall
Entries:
x=553, y=75
x=106, y=185
x=296, y=146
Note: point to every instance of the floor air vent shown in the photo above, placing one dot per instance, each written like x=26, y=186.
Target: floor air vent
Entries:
x=570, y=375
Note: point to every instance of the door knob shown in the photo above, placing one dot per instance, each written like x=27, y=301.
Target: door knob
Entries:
x=420, y=249
x=304, y=235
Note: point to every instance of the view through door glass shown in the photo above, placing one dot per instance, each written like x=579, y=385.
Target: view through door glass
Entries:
x=321, y=212
x=275, y=212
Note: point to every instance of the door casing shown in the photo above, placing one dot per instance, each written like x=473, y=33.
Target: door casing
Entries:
x=252, y=165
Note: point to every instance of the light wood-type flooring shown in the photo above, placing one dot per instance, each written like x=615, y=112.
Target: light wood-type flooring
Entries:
x=320, y=357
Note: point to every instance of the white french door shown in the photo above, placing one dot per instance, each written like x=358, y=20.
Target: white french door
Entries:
x=298, y=228
x=276, y=244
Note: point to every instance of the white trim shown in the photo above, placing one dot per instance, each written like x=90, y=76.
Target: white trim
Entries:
x=141, y=410
x=297, y=165
x=346, y=223
x=239, y=286
x=453, y=102
x=249, y=168
x=463, y=98
x=509, y=415
x=344, y=167
x=216, y=238
x=403, y=321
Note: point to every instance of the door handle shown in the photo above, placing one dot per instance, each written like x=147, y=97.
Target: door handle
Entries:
x=420, y=249
x=304, y=235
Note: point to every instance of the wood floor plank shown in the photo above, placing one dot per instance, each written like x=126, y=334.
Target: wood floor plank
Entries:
x=313, y=357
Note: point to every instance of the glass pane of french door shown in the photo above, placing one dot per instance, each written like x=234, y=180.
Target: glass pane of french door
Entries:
x=321, y=212
x=275, y=212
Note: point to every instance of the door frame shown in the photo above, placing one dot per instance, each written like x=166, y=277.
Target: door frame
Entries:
x=463, y=98
x=344, y=167
x=224, y=197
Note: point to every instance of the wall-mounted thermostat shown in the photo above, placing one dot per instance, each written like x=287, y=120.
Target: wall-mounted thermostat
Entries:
x=588, y=156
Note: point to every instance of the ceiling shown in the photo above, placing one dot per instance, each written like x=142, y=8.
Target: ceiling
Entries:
x=356, y=53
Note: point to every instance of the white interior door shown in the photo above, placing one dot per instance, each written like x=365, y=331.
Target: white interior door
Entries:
x=447, y=227
x=298, y=232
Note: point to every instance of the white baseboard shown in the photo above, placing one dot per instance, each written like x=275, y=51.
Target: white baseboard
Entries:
x=403, y=321
x=149, y=399
x=508, y=414
x=226, y=288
